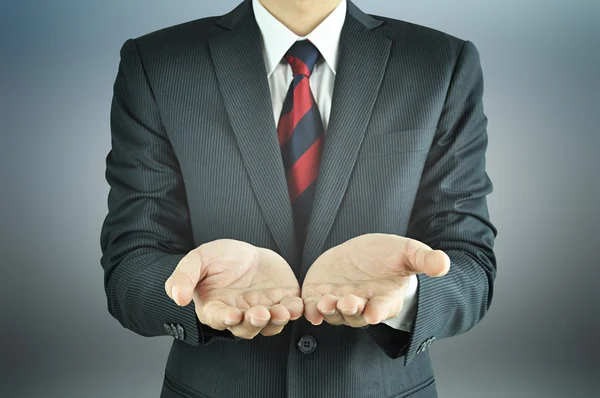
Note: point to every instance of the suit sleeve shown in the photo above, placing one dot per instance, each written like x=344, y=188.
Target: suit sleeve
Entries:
x=147, y=229
x=450, y=213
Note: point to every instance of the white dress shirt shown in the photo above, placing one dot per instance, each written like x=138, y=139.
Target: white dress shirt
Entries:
x=277, y=39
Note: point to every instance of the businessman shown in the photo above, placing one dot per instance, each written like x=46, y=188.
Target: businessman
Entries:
x=298, y=198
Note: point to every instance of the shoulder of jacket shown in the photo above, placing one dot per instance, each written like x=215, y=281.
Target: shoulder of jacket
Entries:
x=192, y=32
x=426, y=38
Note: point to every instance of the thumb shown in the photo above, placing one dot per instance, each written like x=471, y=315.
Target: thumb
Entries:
x=431, y=262
x=182, y=282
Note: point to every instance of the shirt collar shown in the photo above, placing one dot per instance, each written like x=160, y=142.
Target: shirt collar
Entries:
x=277, y=38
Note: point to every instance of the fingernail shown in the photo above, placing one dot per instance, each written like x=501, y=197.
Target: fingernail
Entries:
x=328, y=312
x=230, y=322
x=256, y=322
x=353, y=312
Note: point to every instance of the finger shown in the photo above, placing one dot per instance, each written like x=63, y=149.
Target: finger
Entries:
x=294, y=305
x=327, y=306
x=424, y=260
x=311, y=312
x=182, y=282
x=218, y=315
x=271, y=330
x=351, y=305
x=352, y=308
x=280, y=316
x=380, y=308
x=255, y=319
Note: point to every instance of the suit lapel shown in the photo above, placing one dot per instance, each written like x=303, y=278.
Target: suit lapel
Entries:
x=362, y=61
x=238, y=58
x=241, y=73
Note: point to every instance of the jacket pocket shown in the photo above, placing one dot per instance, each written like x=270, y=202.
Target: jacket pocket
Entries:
x=375, y=145
x=184, y=391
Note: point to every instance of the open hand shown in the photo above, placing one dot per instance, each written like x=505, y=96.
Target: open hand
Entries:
x=237, y=286
x=363, y=280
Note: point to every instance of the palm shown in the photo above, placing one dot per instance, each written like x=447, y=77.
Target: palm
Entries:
x=243, y=276
x=366, y=275
x=237, y=286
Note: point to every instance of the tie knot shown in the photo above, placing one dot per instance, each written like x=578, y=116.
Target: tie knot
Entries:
x=302, y=57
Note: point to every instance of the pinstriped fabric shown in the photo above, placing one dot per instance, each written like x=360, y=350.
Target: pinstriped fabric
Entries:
x=256, y=136
x=405, y=155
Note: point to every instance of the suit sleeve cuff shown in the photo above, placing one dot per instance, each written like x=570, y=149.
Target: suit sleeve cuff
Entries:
x=160, y=315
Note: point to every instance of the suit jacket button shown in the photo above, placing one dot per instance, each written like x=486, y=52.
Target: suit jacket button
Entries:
x=174, y=331
x=180, y=332
x=168, y=330
x=307, y=344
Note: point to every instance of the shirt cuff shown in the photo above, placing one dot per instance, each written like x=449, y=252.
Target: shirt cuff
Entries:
x=404, y=321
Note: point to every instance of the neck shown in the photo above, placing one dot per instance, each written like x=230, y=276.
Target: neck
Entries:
x=300, y=16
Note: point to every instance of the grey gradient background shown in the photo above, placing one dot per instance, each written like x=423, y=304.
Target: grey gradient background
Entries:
x=541, y=63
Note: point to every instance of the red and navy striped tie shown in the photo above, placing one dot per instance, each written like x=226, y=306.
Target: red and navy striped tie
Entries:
x=301, y=135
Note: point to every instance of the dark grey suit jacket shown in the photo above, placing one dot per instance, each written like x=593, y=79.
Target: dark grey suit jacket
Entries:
x=195, y=158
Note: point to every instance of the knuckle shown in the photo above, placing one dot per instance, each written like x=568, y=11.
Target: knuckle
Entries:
x=275, y=294
x=356, y=323
x=245, y=332
x=271, y=331
x=249, y=335
x=194, y=257
x=312, y=297
x=200, y=314
x=218, y=326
